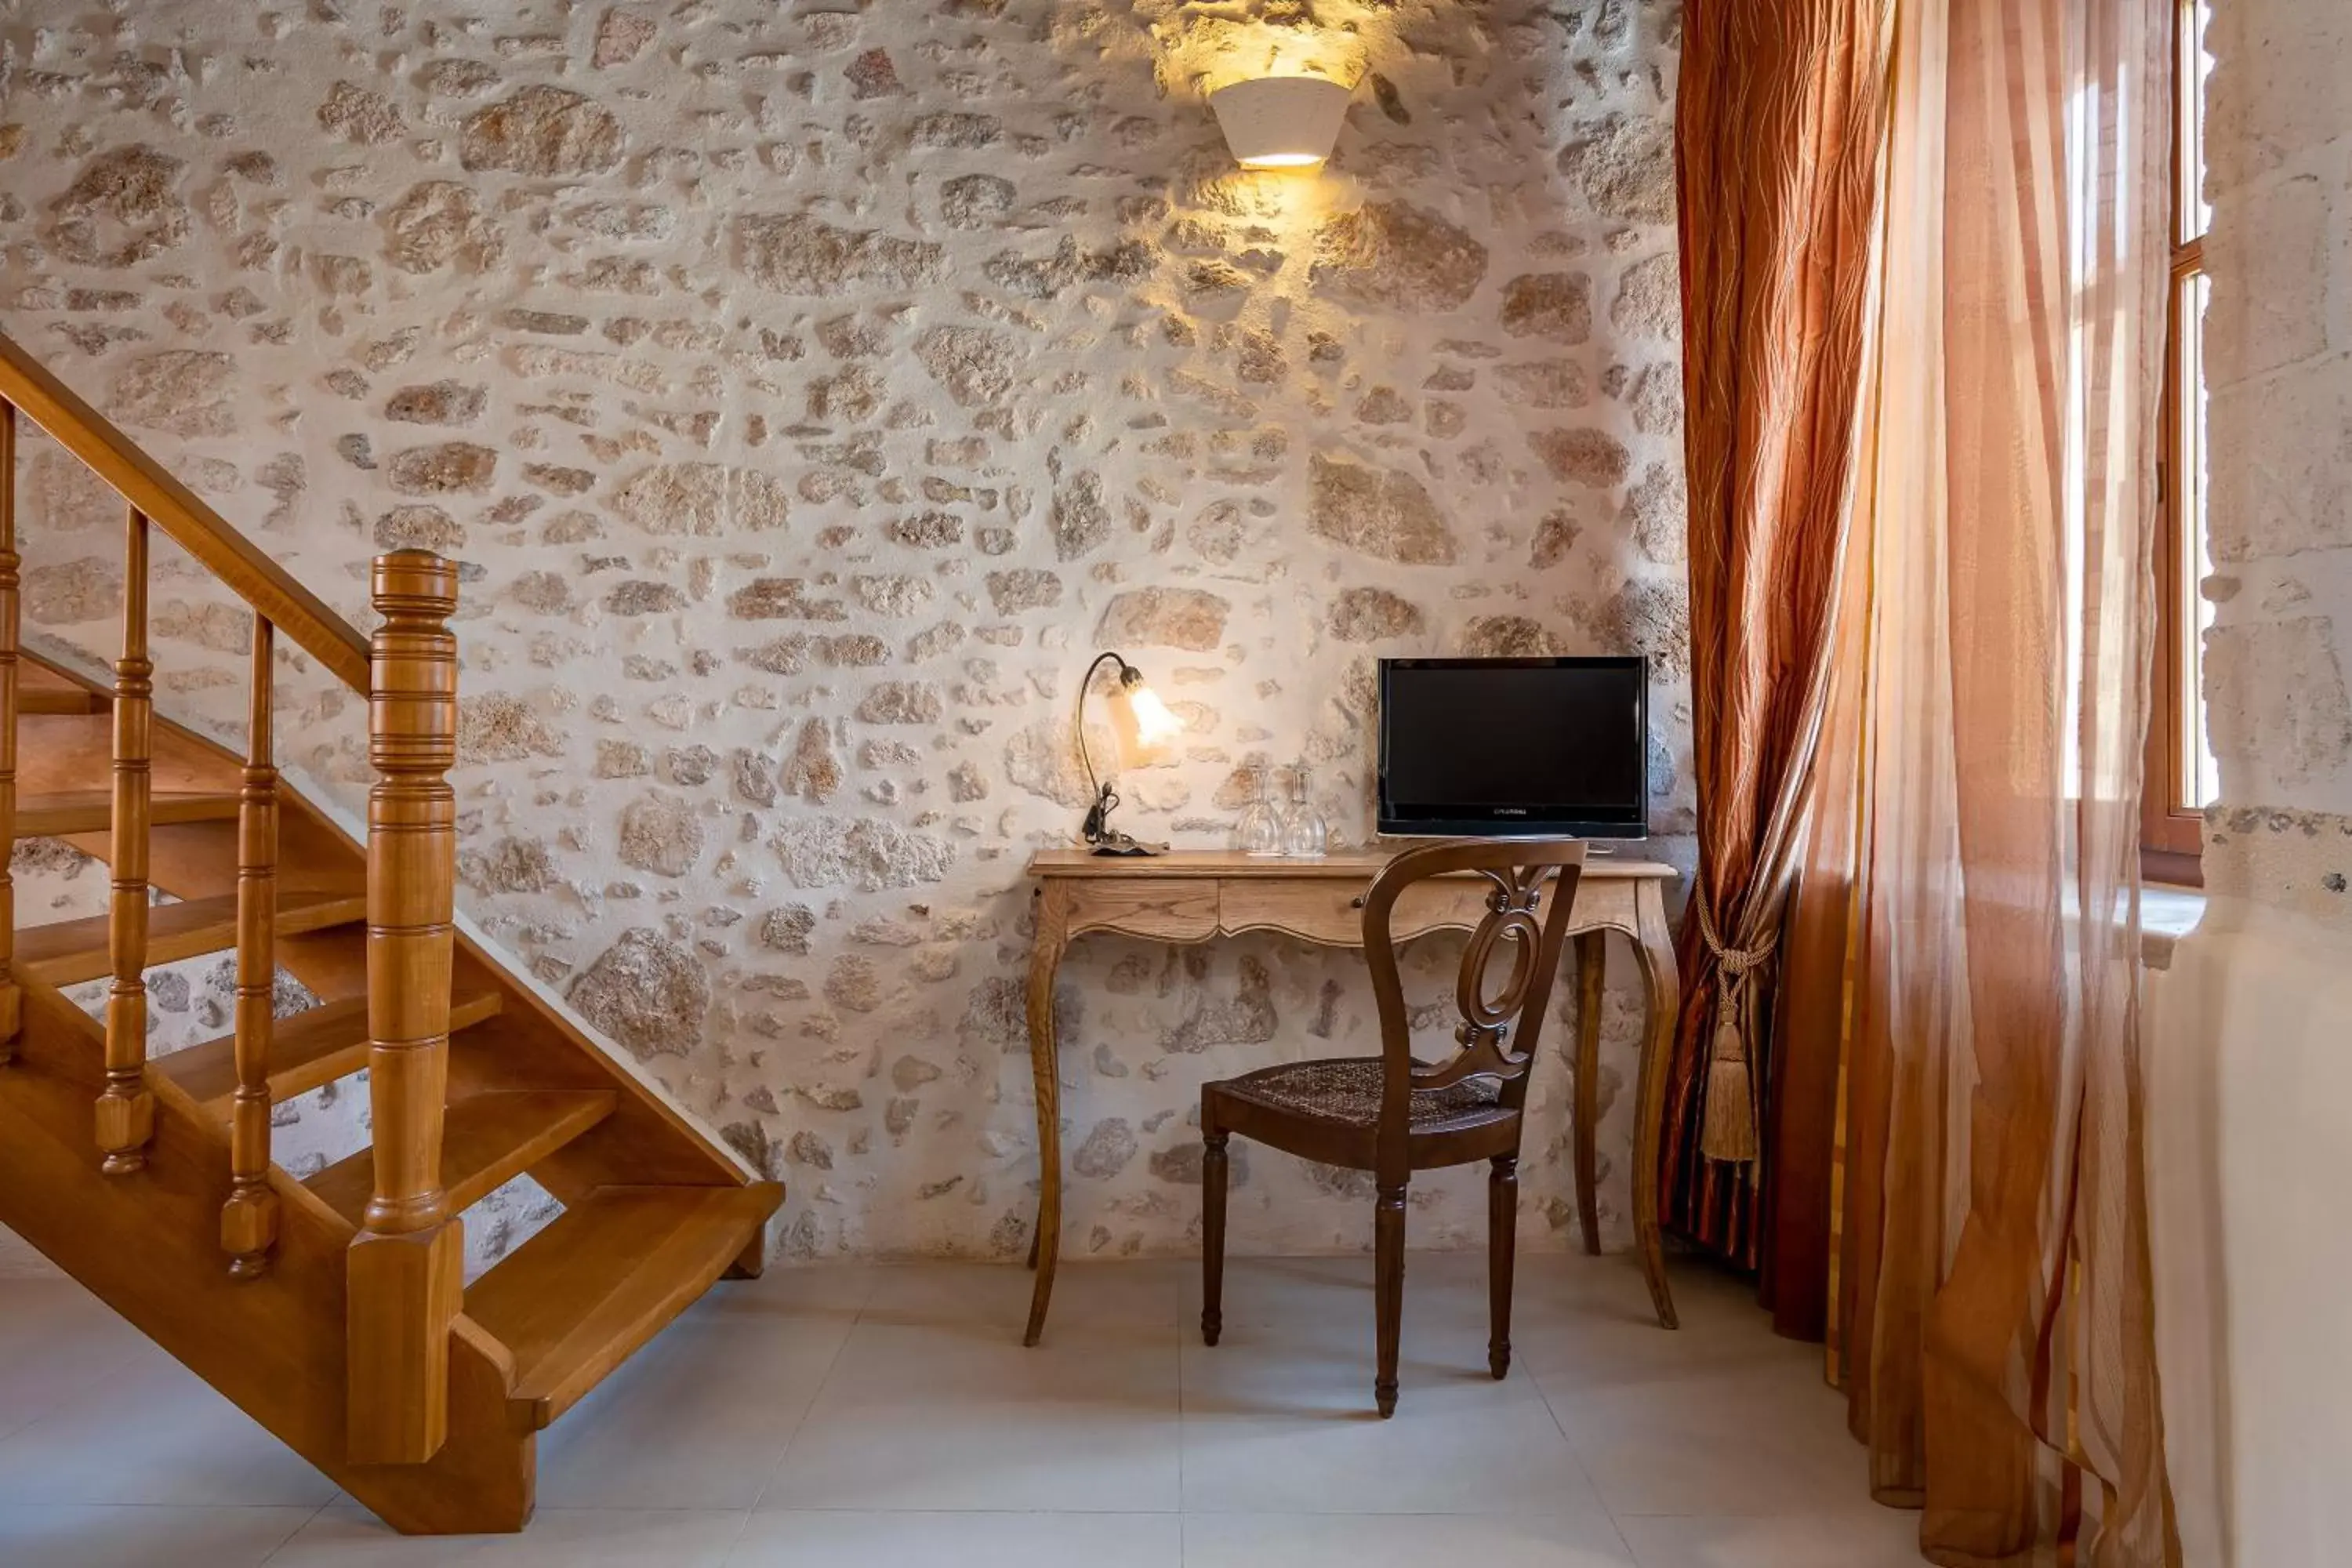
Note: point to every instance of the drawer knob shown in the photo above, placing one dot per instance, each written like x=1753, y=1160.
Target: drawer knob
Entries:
x=1357, y=902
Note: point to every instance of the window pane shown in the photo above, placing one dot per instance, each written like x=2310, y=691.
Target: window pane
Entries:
x=2195, y=66
x=2197, y=783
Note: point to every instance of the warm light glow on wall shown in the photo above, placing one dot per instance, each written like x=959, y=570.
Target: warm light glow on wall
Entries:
x=1281, y=122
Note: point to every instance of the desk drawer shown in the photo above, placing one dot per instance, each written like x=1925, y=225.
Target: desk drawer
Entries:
x=1172, y=909
x=1332, y=913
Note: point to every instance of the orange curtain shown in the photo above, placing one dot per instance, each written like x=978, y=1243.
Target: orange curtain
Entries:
x=1778, y=132
x=1970, y=933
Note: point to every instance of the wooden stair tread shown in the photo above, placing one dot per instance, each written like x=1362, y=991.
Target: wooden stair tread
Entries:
x=575, y=1300
x=486, y=1141
x=70, y=952
x=306, y=1049
x=92, y=810
x=60, y=700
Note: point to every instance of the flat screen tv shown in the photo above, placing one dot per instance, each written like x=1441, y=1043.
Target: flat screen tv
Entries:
x=1514, y=748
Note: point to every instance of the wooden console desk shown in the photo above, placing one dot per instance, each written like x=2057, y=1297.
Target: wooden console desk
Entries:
x=1195, y=897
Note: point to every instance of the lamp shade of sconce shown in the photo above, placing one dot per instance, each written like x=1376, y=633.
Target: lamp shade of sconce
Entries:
x=1281, y=122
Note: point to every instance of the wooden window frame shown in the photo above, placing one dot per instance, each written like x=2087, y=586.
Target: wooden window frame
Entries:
x=2171, y=830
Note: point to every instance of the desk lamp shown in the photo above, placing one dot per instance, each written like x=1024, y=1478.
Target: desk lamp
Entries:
x=1154, y=724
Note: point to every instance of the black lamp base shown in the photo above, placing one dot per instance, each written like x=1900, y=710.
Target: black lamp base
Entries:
x=1105, y=839
x=1120, y=844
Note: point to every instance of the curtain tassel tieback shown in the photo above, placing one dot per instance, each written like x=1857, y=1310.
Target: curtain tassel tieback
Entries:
x=1728, y=1131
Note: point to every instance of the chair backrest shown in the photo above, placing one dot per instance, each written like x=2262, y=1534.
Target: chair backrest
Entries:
x=1530, y=890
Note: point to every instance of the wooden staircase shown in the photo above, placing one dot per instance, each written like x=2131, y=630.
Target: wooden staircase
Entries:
x=334, y=1311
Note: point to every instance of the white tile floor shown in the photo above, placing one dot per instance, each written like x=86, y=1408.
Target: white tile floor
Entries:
x=888, y=1415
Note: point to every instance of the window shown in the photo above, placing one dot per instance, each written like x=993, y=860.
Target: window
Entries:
x=2181, y=775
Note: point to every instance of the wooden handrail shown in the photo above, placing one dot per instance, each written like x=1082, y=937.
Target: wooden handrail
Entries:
x=196, y=528
x=11, y=998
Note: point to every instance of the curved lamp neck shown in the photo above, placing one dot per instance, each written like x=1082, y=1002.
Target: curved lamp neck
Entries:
x=1127, y=674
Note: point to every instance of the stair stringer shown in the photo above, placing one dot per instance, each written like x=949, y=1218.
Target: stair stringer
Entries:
x=524, y=988
x=149, y=1246
x=652, y=1140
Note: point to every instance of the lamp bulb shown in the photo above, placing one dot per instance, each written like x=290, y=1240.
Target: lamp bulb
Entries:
x=1154, y=724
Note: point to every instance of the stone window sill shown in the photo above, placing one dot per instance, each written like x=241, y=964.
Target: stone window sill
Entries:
x=2167, y=913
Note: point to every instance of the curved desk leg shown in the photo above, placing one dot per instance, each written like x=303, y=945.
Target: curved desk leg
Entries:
x=1655, y=949
x=1044, y=960
x=1592, y=968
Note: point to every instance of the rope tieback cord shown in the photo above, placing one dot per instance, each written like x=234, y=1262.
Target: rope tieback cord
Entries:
x=1728, y=1129
x=1735, y=962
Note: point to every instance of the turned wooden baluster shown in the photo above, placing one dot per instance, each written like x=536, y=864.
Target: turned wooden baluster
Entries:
x=126, y=1110
x=250, y=1219
x=10, y=1005
x=405, y=1276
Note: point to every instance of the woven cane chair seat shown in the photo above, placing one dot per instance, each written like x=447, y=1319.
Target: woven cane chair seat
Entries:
x=1347, y=1091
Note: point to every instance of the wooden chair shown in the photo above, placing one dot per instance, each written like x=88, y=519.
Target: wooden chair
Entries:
x=1392, y=1115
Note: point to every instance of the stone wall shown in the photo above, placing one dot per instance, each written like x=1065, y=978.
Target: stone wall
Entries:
x=808, y=393
x=2247, y=1094
x=2278, y=361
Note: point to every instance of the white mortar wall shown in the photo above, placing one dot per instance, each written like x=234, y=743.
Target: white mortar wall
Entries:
x=2278, y=362
x=2246, y=1079
x=808, y=393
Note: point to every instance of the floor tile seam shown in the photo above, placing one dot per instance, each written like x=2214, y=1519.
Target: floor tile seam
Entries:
x=727, y=1553
x=1866, y=1507
x=1182, y=1338
x=313, y=1508
x=1597, y=1512
x=305, y=1522
x=1512, y=1515
x=1616, y=1532
x=800, y=1421
x=869, y=1508
x=1006, y=1511
x=117, y=1371
x=1575, y=1455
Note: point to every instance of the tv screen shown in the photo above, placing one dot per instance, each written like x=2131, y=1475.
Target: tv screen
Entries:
x=1515, y=747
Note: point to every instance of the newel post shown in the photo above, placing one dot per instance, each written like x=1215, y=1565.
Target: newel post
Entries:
x=405, y=1274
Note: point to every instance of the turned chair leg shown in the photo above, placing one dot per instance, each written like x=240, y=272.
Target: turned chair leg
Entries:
x=1502, y=1237
x=1212, y=1235
x=1388, y=1289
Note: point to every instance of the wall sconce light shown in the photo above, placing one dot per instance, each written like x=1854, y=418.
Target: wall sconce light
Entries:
x=1151, y=725
x=1281, y=122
